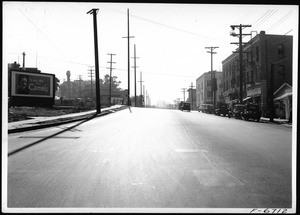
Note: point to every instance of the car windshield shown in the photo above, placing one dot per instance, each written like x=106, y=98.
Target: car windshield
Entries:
x=239, y=107
x=252, y=107
x=223, y=105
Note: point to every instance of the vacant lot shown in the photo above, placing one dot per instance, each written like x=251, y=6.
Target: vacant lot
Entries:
x=24, y=113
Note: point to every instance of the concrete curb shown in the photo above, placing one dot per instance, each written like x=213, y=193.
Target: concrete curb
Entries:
x=276, y=122
x=61, y=121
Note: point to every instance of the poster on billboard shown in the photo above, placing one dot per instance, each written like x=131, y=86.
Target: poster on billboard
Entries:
x=26, y=84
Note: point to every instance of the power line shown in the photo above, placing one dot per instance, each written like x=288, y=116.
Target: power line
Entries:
x=43, y=34
x=281, y=20
x=168, y=26
x=258, y=20
x=268, y=16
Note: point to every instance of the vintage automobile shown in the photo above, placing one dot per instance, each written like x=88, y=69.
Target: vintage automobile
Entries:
x=185, y=106
x=206, y=108
x=237, y=111
x=222, y=109
x=252, y=111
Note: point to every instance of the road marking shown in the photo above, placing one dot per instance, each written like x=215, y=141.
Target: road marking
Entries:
x=217, y=178
x=52, y=137
x=189, y=150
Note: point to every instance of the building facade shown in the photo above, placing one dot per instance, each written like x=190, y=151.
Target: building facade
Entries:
x=257, y=78
x=204, y=94
x=192, y=98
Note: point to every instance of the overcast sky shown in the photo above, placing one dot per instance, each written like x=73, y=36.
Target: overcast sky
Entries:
x=170, y=38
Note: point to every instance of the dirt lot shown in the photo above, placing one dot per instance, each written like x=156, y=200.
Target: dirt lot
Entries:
x=24, y=113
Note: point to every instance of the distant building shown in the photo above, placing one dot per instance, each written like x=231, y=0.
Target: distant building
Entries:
x=204, y=93
x=70, y=90
x=260, y=52
x=192, y=98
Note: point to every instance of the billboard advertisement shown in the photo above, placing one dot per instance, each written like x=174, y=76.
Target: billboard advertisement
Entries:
x=26, y=84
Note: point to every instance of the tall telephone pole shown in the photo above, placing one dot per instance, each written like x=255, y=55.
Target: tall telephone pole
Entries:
x=110, y=62
x=240, y=43
x=79, y=81
x=98, y=104
x=192, y=95
x=135, y=57
x=91, y=76
x=213, y=78
x=183, y=90
x=128, y=41
x=141, y=81
x=23, y=59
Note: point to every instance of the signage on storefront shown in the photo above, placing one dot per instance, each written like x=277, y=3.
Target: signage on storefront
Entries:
x=253, y=92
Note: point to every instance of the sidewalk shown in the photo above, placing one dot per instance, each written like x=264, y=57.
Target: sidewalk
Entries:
x=44, y=122
x=284, y=122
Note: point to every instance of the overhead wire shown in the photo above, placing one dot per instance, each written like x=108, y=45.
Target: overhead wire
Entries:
x=268, y=16
x=281, y=20
x=44, y=35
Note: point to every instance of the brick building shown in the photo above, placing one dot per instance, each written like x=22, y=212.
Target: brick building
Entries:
x=203, y=88
x=260, y=52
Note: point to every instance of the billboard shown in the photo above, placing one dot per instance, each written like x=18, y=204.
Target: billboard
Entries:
x=26, y=84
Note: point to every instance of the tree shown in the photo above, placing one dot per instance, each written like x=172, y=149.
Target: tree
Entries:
x=57, y=81
x=105, y=84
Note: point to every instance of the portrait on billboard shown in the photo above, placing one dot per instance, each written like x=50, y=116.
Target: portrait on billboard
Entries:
x=31, y=84
x=23, y=84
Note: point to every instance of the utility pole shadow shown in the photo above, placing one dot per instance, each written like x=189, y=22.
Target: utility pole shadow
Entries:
x=51, y=136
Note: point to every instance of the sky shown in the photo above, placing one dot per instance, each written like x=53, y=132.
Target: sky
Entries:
x=170, y=39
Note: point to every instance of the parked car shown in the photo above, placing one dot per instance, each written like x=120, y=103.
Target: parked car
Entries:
x=252, y=111
x=222, y=109
x=238, y=111
x=206, y=108
x=185, y=106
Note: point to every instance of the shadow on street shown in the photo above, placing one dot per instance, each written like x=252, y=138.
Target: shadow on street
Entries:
x=51, y=136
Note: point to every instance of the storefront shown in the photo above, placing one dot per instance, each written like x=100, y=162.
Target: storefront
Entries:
x=283, y=101
x=253, y=95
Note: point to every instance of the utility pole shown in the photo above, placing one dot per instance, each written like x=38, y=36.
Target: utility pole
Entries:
x=110, y=78
x=271, y=93
x=91, y=76
x=146, y=100
x=98, y=104
x=183, y=90
x=240, y=43
x=141, y=81
x=212, y=77
x=79, y=81
x=135, y=57
x=144, y=97
x=128, y=39
x=192, y=94
x=23, y=59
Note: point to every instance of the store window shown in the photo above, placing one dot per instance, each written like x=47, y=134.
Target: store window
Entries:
x=280, y=51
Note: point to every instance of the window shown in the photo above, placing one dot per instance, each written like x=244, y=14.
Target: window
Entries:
x=280, y=51
x=257, y=53
x=208, y=82
x=281, y=71
x=252, y=76
x=208, y=94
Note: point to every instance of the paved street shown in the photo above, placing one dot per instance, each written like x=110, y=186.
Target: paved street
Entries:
x=152, y=158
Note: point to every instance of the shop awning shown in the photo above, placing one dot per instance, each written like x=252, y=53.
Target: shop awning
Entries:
x=283, y=96
x=247, y=98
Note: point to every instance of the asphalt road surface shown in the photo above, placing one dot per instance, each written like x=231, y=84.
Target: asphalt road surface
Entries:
x=152, y=158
